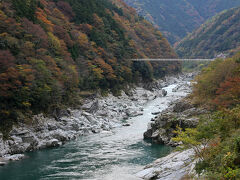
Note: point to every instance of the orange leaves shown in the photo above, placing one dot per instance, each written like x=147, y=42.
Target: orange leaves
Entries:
x=26, y=73
x=61, y=33
x=98, y=22
x=44, y=2
x=86, y=28
x=41, y=16
x=83, y=40
x=98, y=73
x=58, y=14
x=107, y=69
x=2, y=16
x=228, y=94
x=28, y=49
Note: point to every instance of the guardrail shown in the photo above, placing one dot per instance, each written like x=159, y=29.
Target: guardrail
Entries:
x=172, y=59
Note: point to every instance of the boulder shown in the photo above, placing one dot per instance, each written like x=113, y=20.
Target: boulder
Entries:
x=148, y=134
x=156, y=112
x=181, y=106
x=180, y=113
x=164, y=92
x=59, y=135
x=15, y=157
x=53, y=143
x=94, y=107
x=18, y=132
x=172, y=167
x=2, y=163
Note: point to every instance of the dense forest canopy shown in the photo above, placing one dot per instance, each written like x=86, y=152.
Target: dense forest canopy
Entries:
x=52, y=50
x=218, y=35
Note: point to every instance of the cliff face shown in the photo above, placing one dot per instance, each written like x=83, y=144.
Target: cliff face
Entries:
x=51, y=50
x=177, y=18
x=218, y=35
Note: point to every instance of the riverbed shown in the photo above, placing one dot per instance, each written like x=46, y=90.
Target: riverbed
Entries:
x=116, y=154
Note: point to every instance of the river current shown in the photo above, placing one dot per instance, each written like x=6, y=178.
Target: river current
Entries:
x=115, y=155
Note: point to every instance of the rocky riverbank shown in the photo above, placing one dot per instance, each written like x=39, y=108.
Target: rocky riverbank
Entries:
x=96, y=115
x=180, y=113
x=175, y=166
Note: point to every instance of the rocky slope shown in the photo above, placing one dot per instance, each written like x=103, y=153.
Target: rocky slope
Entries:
x=218, y=35
x=172, y=167
x=180, y=113
x=177, y=18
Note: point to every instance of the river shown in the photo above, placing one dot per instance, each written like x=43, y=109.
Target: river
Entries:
x=115, y=155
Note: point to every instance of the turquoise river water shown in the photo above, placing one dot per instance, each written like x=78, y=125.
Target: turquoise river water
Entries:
x=115, y=155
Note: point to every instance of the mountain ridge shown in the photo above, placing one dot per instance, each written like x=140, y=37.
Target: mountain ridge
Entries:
x=177, y=18
x=219, y=34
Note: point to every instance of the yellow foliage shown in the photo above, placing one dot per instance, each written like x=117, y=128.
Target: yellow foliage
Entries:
x=2, y=16
x=97, y=72
x=98, y=22
x=54, y=43
x=28, y=45
x=42, y=17
x=83, y=40
x=26, y=104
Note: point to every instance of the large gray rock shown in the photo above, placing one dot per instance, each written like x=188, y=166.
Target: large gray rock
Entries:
x=180, y=114
x=15, y=157
x=181, y=106
x=164, y=92
x=53, y=143
x=172, y=167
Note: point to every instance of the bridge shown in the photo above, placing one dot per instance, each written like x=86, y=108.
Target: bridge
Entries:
x=173, y=59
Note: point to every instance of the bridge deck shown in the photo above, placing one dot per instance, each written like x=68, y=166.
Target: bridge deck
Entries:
x=172, y=59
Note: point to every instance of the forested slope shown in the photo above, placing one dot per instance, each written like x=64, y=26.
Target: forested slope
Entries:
x=177, y=18
x=52, y=50
x=218, y=35
x=216, y=140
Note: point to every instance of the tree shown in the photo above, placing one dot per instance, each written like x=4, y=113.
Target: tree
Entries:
x=25, y=8
x=228, y=94
x=6, y=60
x=66, y=9
x=38, y=35
x=54, y=43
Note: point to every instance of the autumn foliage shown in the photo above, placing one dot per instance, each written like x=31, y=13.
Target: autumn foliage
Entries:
x=218, y=86
x=217, y=135
x=51, y=50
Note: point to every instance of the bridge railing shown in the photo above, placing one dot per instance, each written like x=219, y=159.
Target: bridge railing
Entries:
x=164, y=59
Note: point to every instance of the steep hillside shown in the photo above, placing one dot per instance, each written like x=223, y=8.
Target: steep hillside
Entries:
x=218, y=35
x=177, y=18
x=52, y=50
x=217, y=88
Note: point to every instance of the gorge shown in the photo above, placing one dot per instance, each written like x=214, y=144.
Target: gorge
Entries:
x=118, y=153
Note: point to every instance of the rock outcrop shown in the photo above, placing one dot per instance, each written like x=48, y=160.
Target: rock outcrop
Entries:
x=172, y=167
x=176, y=165
x=179, y=114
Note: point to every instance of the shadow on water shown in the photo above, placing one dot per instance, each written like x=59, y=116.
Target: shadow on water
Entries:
x=151, y=151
